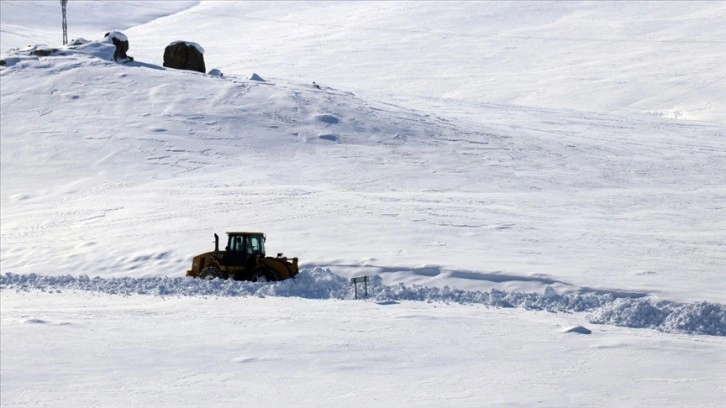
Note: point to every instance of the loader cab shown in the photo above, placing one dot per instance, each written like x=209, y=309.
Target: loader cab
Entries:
x=242, y=246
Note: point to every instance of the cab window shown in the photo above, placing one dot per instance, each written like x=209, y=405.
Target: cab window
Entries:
x=236, y=244
x=255, y=246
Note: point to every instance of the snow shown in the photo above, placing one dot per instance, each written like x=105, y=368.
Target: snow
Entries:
x=117, y=35
x=602, y=308
x=141, y=350
x=255, y=77
x=189, y=44
x=535, y=189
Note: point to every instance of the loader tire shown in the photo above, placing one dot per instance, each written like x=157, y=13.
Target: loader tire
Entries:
x=267, y=273
x=271, y=275
x=211, y=272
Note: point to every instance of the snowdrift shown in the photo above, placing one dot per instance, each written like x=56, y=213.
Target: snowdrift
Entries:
x=318, y=283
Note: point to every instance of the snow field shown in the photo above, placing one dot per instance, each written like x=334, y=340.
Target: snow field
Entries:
x=138, y=350
x=535, y=188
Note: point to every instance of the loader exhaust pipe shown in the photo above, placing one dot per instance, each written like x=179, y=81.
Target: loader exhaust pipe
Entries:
x=216, y=242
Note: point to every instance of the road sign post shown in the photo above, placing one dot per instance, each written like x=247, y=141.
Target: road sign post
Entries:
x=356, y=281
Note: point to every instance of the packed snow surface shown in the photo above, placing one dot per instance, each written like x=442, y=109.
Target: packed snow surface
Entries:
x=536, y=190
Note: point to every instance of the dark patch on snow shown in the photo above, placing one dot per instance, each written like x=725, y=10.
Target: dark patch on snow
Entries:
x=35, y=321
x=329, y=119
x=577, y=329
x=330, y=137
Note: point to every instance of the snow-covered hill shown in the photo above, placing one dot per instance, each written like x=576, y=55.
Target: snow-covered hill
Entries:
x=656, y=58
x=512, y=155
x=91, y=150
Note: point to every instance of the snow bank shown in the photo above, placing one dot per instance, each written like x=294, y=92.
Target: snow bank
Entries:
x=312, y=284
x=695, y=318
x=103, y=49
x=319, y=283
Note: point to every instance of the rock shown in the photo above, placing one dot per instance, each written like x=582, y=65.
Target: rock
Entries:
x=44, y=52
x=121, y=42
x=184, y=55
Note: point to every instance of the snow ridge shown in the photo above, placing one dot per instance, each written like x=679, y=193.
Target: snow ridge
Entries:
x=701, y=318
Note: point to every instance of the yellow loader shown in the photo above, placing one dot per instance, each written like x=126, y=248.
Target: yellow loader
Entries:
x=243, y=259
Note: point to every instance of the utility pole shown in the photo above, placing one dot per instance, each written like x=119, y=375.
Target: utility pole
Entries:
x=65, y=23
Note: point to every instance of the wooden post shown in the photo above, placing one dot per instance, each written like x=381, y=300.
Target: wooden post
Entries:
x=356, y=281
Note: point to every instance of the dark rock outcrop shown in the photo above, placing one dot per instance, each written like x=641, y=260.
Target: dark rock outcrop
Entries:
x=44, y=52
x=184, y=55
x=121, y=42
